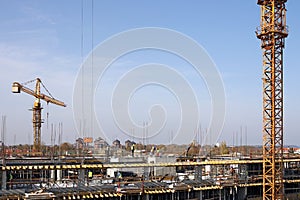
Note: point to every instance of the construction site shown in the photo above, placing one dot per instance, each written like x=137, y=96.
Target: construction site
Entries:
x=129, y=173
x=142, y=177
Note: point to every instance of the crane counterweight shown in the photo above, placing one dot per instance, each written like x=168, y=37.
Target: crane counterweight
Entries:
x=16, y=87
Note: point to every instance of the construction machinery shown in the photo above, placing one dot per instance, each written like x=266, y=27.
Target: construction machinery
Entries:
x=37, y=108
x=272, y=33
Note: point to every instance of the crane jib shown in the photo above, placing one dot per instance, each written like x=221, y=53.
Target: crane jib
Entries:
x=17, y=88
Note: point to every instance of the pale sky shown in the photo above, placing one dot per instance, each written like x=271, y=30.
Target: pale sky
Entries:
x=51, y=39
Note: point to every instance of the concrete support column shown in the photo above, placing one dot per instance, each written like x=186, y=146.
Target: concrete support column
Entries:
x=52, y=175
x=241, y=193
x=3, y=180
x=58, y=175
x=198, y=173
x=81, y=177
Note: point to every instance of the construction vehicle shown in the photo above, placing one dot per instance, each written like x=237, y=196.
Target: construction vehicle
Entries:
x=37, y=108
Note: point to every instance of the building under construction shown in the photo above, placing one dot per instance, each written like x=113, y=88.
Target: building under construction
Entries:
x=142, y=178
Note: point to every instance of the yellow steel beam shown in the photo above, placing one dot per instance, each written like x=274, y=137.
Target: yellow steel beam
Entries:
x=133, y=165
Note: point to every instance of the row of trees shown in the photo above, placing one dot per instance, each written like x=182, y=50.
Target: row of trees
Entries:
x=192, y=150
x=27, y=150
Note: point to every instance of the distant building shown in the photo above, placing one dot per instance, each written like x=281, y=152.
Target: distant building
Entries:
x=116, y=143
x=128, y=144
x=79, y=143
x=100, y=143
x=297, y=150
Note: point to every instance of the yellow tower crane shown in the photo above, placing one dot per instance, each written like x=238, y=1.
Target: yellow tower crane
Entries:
x=272, y=33
x=37, y=108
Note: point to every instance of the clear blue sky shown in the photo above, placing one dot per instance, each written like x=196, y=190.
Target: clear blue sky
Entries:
x=43, y=39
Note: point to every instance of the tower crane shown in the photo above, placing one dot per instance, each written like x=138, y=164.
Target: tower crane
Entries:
x=272, y=33
x=37, y=108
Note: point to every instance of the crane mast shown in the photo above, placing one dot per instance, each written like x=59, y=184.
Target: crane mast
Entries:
x=272, y=33
x=37, y=117
x=36, y=109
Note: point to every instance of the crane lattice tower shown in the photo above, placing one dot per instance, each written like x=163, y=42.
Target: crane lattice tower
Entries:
x=272, y=33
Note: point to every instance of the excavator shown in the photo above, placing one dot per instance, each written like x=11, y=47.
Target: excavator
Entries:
x=37, y=108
